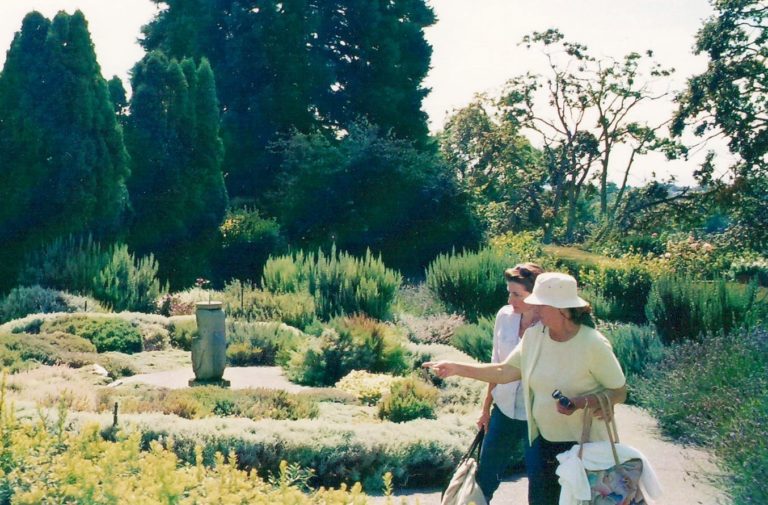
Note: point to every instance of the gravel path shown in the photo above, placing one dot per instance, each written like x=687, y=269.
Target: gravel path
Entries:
x=684, y=472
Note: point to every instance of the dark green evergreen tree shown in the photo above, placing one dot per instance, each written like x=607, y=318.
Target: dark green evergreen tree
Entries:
x=380, y=57
x=298, y=65
x=117, y=94
x=62, y=156
x=176, y=184
x=267, y=65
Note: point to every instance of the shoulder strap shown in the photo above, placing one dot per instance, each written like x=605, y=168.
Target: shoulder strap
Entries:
x=475, y=447
x=613, y=436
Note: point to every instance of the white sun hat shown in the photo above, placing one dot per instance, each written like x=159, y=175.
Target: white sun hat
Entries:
x=557, y=290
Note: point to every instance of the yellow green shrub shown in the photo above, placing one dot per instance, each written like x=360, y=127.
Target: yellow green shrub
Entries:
x=366, y=387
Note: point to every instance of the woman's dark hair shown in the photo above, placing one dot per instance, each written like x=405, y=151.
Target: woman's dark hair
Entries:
x=524, y=274
x=581, y=315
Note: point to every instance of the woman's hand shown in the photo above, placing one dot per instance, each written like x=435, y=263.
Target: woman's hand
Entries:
x=565, y=410
x=483, y=420
x=442, y=369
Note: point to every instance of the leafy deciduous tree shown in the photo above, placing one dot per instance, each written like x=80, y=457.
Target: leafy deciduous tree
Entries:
x=730, y=99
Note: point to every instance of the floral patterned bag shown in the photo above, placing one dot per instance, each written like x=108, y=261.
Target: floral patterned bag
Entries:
x=619, y=484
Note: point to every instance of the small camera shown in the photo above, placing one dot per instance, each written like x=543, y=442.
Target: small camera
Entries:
x=562, y=399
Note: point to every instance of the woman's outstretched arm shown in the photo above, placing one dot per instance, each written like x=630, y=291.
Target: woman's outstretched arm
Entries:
x=497, y=373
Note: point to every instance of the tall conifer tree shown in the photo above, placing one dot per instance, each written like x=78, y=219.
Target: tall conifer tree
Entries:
x=176, y=184
x=62, y=155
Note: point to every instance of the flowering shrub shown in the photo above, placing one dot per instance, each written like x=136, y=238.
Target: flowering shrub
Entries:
x=695, y=258
x=747, y=269
x=524, y=244
x=248, y=239
x=417, y=300
x=366, y=387
x=180, y=304
x=56, y=466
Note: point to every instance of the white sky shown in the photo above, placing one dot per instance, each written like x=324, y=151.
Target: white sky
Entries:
x=474, y=42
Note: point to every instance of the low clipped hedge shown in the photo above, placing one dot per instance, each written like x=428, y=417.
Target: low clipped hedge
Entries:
x=418, y=453
x=107, y=334
x=207, y=401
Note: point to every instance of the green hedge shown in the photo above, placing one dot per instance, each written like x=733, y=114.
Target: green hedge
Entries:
x=419, y=453
x=624, y=286
x=470, y=283
x=25, y=300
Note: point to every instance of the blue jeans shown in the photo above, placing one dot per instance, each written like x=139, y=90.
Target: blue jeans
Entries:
x=540, y=464
x=503, y=436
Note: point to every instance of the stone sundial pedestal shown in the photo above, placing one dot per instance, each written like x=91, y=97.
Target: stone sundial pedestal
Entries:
x=209, y=347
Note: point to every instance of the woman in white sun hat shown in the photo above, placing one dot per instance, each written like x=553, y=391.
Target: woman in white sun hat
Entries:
x=562, y=353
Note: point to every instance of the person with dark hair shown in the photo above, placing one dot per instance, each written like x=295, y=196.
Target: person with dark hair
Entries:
x=561, y=363
x=503, y=415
